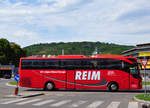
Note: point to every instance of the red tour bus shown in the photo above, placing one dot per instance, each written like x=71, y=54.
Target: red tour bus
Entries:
x=80, y=72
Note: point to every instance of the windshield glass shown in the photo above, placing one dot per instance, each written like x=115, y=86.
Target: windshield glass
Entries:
x=134, y=70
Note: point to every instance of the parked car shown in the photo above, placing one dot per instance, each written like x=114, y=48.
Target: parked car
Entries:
x=7, y=76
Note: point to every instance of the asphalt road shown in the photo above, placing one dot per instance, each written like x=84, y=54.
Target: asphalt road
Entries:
x=69, y=98
x=5, y=90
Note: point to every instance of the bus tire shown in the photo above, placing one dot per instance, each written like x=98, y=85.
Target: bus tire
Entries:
x=49, y=86
x=113, y=86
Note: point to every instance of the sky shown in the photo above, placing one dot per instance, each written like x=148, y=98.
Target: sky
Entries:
x=27, y=22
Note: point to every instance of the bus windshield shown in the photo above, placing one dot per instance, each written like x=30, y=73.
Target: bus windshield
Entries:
x=134, y=70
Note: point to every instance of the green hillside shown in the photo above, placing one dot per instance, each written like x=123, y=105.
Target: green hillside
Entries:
x=75, y=48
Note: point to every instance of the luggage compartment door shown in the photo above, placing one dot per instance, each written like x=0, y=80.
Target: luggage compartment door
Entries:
x=70, y=79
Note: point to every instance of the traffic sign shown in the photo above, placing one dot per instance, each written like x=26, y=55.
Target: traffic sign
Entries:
x=17, y=78
x=144, y=62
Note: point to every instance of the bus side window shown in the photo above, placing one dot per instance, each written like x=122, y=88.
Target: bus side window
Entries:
x=26, y=64
x=77, y=64
x=52, y=64
x=109, y=64
x=38, y=64
x=67, y=64
x=89, y=64
x=102, y=64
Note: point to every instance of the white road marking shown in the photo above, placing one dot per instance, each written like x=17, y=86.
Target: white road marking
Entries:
x=14, y=101
x=59, y=94
x=95, y=104
x=113, y=105
x=29, y=101
x=60, y=103
x=133, y=105
x=43, y=102
x=2, y=100
x=77, y=103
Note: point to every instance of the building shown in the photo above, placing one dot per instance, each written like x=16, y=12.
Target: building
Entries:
x=141, y=51
x=6, y=71
x=96, y=52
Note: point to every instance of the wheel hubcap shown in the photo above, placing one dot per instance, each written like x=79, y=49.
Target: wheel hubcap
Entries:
x=49, y=86
x=113, y=87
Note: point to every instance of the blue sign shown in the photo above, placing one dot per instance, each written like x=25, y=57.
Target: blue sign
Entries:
x=17, y=78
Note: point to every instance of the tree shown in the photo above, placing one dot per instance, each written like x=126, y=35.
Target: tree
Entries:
x=5, y=51
x=10, y=53
x=18, y=52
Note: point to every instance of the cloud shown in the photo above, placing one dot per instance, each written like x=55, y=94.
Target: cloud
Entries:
x=21, y=36
x=133, y=15
x=18, y=7
x=123, y=22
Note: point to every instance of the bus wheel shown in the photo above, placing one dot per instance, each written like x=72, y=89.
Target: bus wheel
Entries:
x=49, y=86
x=113, y=86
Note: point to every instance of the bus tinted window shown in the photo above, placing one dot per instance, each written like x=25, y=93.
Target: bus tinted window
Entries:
x=89, y=64
x=26, y=62
x=110, y=64
x=79, y=64
x=40, y=64
x=71, y=64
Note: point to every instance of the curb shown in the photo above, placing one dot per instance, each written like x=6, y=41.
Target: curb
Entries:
x=7, y=84
x=23, y=96
x=141, y=101
x=34, y=95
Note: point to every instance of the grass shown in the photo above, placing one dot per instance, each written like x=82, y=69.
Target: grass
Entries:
x=147, y=83
x=142, y=97
x=13, y=83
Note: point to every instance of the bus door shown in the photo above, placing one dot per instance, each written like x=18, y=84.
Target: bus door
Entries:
x=134, y=76
x=70, y=79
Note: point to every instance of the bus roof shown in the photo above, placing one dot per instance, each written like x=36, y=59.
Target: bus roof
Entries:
x=82, y=57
